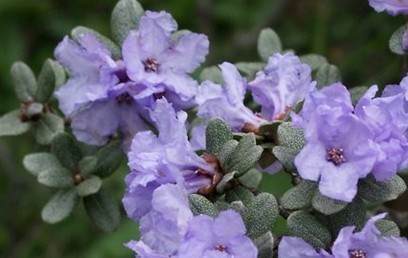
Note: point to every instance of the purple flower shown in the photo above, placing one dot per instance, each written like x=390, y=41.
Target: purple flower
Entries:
x=339, y=149
x=364, y=244
x=168, y=158
x=393, y=7
x=160, y=63
x=222, y=237
x=226, y=102
x=282, y=84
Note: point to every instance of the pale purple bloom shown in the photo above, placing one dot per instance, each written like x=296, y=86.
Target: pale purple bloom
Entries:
x=219, y=237
x=349, y=244
x=393, y=7
x=226, y=102
x=282, y=84
x=160, y=63
x=166, y=158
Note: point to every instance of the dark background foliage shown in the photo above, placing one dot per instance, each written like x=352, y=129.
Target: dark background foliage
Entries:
x=348, y=32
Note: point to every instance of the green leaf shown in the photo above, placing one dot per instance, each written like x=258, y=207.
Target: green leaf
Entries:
x=60, y=206
x=66, y=150
x=269, y=130
x=300, y=196
x=286, y=157
x=109, y=159
x=252, y=179
x=313, y=60
x=395, y=42
x=47, y=81
x=212, y=73
x=87, y=165
x=250, y=69
x=291, y=136
x=356, y=93
x=125, y=17
x=47, y=128
x=103, y=211
x=224, y=184
x=268, y=43
x=327, y=205
x=264, y=244
x=24, y=81
x=305, y=226
x=201, y=205
x=374, y=191
x=109, y=44
x=388, y=228
x=56, y=177
x=239, y=193
x=245, y=155
x=352, y=215
x=38, y=162
x=90, y=186
x=10, y=124
x=226, y=152
x=261, y=215
x=217, y=134
x=327, y=74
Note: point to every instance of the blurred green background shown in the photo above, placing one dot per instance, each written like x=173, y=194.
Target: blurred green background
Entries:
x=348, y=32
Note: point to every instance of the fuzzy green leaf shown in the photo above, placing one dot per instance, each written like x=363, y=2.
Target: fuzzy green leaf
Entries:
x=10, y=124
x=90, y=186
x=56, y=177
x=245, y=155
x=261, y=215
x=291, y=137
x=226, y=152
x=250, y=69
x=327, y=74
x=252, y=179
x=47, y=80
x=239, y=193
x=125, y=17
x=313, y=60
x=47, y=128
x=388, y=228
x=201, y=205
x=264, y=244
x=212, y=73
x=224, y=184
x=268, y=43
x=327, y=205
x=24, y=81
x=103, y=211
x=305, y=226
x=38, y=162
x=352, y=215
x=60, y=206
x=66, y=150
x=217, y=134
x=109, y=159
x=374, y=191
x=286, y=157
x=395, y=43
x=300, y=196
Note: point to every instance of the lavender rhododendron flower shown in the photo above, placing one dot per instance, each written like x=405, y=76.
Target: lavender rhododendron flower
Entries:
x=350, y=244
x=222, y=237
x=283, y=83
x=226, y=102
x=393, y=7
x=166, y=158
x=160, y=63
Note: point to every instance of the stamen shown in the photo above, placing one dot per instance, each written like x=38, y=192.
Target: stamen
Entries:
x=358, y=254
x=124, y=98
x=151, y=65
x=221, y=248
x=336, y=156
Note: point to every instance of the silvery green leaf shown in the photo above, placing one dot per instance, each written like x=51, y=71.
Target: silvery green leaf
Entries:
x=264, y=244
x=327, y=74
x=374, y=191
x=252, y=179
x=291, y=136
x=300, y=196
x=66, y=150
x=224, y=184
x=269, y=130
x=109, y=159
x=395, y=42
x=11, y=124
x=388, y=228
x=24, y=81
x=239, y=193
x=352, y=215
x=313, y=60
x=250, y=69
x=226, y=152
x=47, y=80
x=217, y=134
x=286, y=157
x=268, y=43
x=56, y=177
x=87, y=165
x=125, y=17
x=327, y=205
x=60, y=206
x=261, y=215
x=103, y=211
x=47, y=127
x=201, y=205
x=305, y=226
x=89, y=186
x=212, y=73
x=38, y=162
x=109, y=44
x=245, y=160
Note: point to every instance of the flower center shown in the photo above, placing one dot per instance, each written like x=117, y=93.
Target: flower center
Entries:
x=151, y=65
x=358, y=254
x=336, y=156
x=221, y=248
